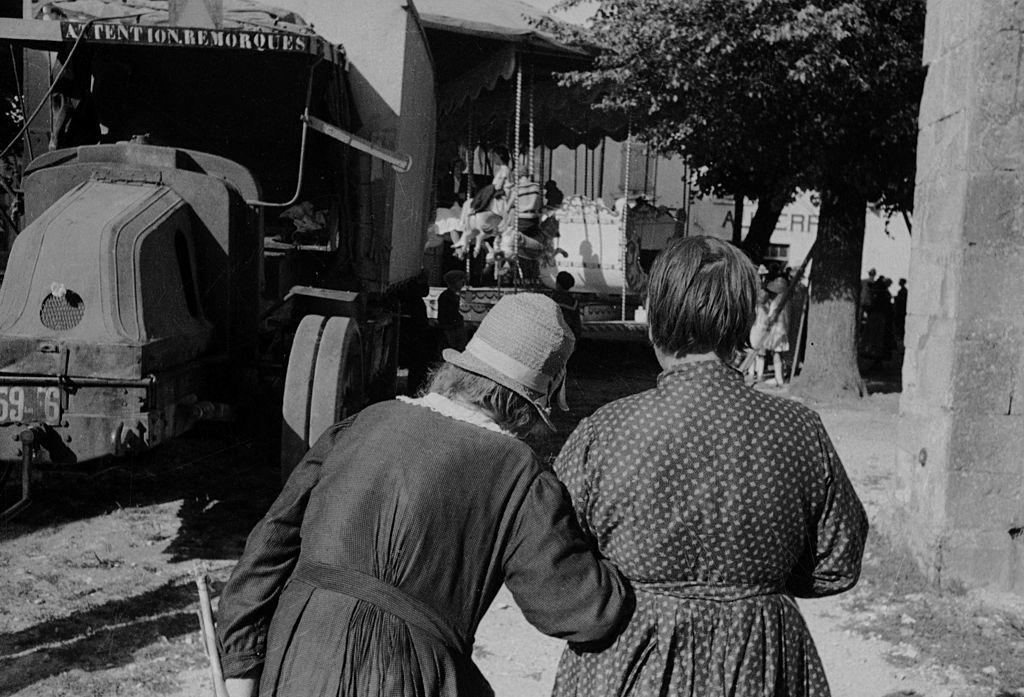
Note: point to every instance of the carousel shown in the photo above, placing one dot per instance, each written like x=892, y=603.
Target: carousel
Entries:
x=500, y=216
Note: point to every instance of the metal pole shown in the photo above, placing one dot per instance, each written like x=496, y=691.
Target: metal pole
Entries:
x=469, y=179
x=513, y=205
x=576, y=170
x=623, y=219
x=399, y=160
x=586, y=171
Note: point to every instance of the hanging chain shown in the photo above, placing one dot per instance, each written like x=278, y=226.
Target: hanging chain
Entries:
x=471, y=145
x=513, y=205
x=531, y=145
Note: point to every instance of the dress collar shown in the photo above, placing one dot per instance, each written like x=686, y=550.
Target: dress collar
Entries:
x=453, y=410
x=711, y=369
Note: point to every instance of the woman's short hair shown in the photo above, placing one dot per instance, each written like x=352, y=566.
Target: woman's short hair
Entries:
x=509, y=410
x=701, y=297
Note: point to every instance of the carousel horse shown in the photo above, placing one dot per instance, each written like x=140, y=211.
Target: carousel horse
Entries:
x=515, y=227
x=476, y=227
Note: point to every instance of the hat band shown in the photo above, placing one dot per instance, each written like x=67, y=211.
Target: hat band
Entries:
x=509, y=366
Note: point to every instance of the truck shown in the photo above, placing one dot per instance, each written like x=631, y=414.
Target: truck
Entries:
x=222, y=186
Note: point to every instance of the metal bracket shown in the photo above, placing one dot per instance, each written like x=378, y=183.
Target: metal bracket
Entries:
x=64, y=387
x=28, y=439
x=399, y=160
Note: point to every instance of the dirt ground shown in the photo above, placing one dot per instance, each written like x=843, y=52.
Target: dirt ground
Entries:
x=97, y=597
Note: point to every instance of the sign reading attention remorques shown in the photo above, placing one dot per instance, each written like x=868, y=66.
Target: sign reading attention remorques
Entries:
x=114, y=32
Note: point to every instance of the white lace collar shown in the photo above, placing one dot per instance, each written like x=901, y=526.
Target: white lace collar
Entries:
x=453, y=410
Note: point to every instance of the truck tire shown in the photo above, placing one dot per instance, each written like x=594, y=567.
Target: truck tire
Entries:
x=323, y=385
x=339, y=377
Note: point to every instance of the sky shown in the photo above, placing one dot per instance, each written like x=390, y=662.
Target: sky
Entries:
x=576, y=14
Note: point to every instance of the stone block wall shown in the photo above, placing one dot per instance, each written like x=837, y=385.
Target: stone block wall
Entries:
x=960, y=450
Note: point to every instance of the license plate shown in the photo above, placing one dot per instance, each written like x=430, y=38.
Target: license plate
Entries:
x=25, y=404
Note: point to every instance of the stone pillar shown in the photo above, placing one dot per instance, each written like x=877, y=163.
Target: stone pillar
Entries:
x=960, y=454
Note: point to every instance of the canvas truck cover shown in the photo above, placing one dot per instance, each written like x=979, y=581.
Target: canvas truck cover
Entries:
x=246, y=26
x=392, y=80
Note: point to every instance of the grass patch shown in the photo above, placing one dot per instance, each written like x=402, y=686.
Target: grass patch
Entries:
x=895, y=602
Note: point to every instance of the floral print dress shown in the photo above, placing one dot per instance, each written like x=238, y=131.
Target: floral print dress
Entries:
x=720, y=503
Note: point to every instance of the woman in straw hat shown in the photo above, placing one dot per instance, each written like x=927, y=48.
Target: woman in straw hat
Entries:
x=720, y=503
x=371, y=571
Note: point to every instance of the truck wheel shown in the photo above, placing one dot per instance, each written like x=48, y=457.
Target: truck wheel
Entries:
x=323, y=385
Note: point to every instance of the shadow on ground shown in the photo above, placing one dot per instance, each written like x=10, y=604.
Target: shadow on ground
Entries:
x=225, y=479
x=98, y=638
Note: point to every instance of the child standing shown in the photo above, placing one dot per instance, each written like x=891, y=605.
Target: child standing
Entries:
x=449, y=312
x=757, y=336
x=778, y=333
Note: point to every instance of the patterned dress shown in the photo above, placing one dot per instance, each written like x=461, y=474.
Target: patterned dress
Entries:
x=720, y=503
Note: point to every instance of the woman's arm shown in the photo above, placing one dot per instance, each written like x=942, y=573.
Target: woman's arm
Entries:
x=250, y=596
x=564, y=588
x=572, y=467
x=832, y=561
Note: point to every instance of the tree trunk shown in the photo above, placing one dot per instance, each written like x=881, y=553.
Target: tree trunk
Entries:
x=766, y=217
x=737, y=219
x=830, y=369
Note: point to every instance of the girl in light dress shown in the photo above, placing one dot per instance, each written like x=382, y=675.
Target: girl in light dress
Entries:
x=756, y=370
x=773, y=338
x=778, y=332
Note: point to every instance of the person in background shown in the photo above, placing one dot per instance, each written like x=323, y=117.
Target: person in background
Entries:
x=569, y=306
x=492, y=198
x=417, y=346
x=718, y=501
x=878, y=322
x=449, y=312
x=758, y=335
x=866, y=285
x=777, y=340
x=553, y=196
x=762, y=274
x=500, y=181
x=899, y=311
x=451, y=187
x=371, y=571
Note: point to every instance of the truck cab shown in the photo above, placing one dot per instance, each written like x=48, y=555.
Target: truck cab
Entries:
x=170, y=218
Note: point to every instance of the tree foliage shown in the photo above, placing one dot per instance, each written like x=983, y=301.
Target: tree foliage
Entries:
x=767, y=97
x=764, y=97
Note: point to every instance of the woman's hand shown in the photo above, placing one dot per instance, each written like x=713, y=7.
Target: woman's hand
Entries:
x=241, y=687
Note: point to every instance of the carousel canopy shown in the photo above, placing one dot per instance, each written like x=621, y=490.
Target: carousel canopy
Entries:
x=477, y=46
x=507, y=21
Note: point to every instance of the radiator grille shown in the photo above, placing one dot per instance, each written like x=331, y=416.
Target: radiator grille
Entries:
x=62, y=313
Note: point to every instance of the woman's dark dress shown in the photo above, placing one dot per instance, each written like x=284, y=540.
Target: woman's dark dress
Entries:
x=719, y=503
x=445, y=511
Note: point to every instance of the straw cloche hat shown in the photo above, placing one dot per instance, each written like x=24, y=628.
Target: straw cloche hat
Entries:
x=523, y=343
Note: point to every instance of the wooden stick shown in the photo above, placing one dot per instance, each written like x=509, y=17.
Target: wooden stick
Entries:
x=800, y=333
x=220, y=689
